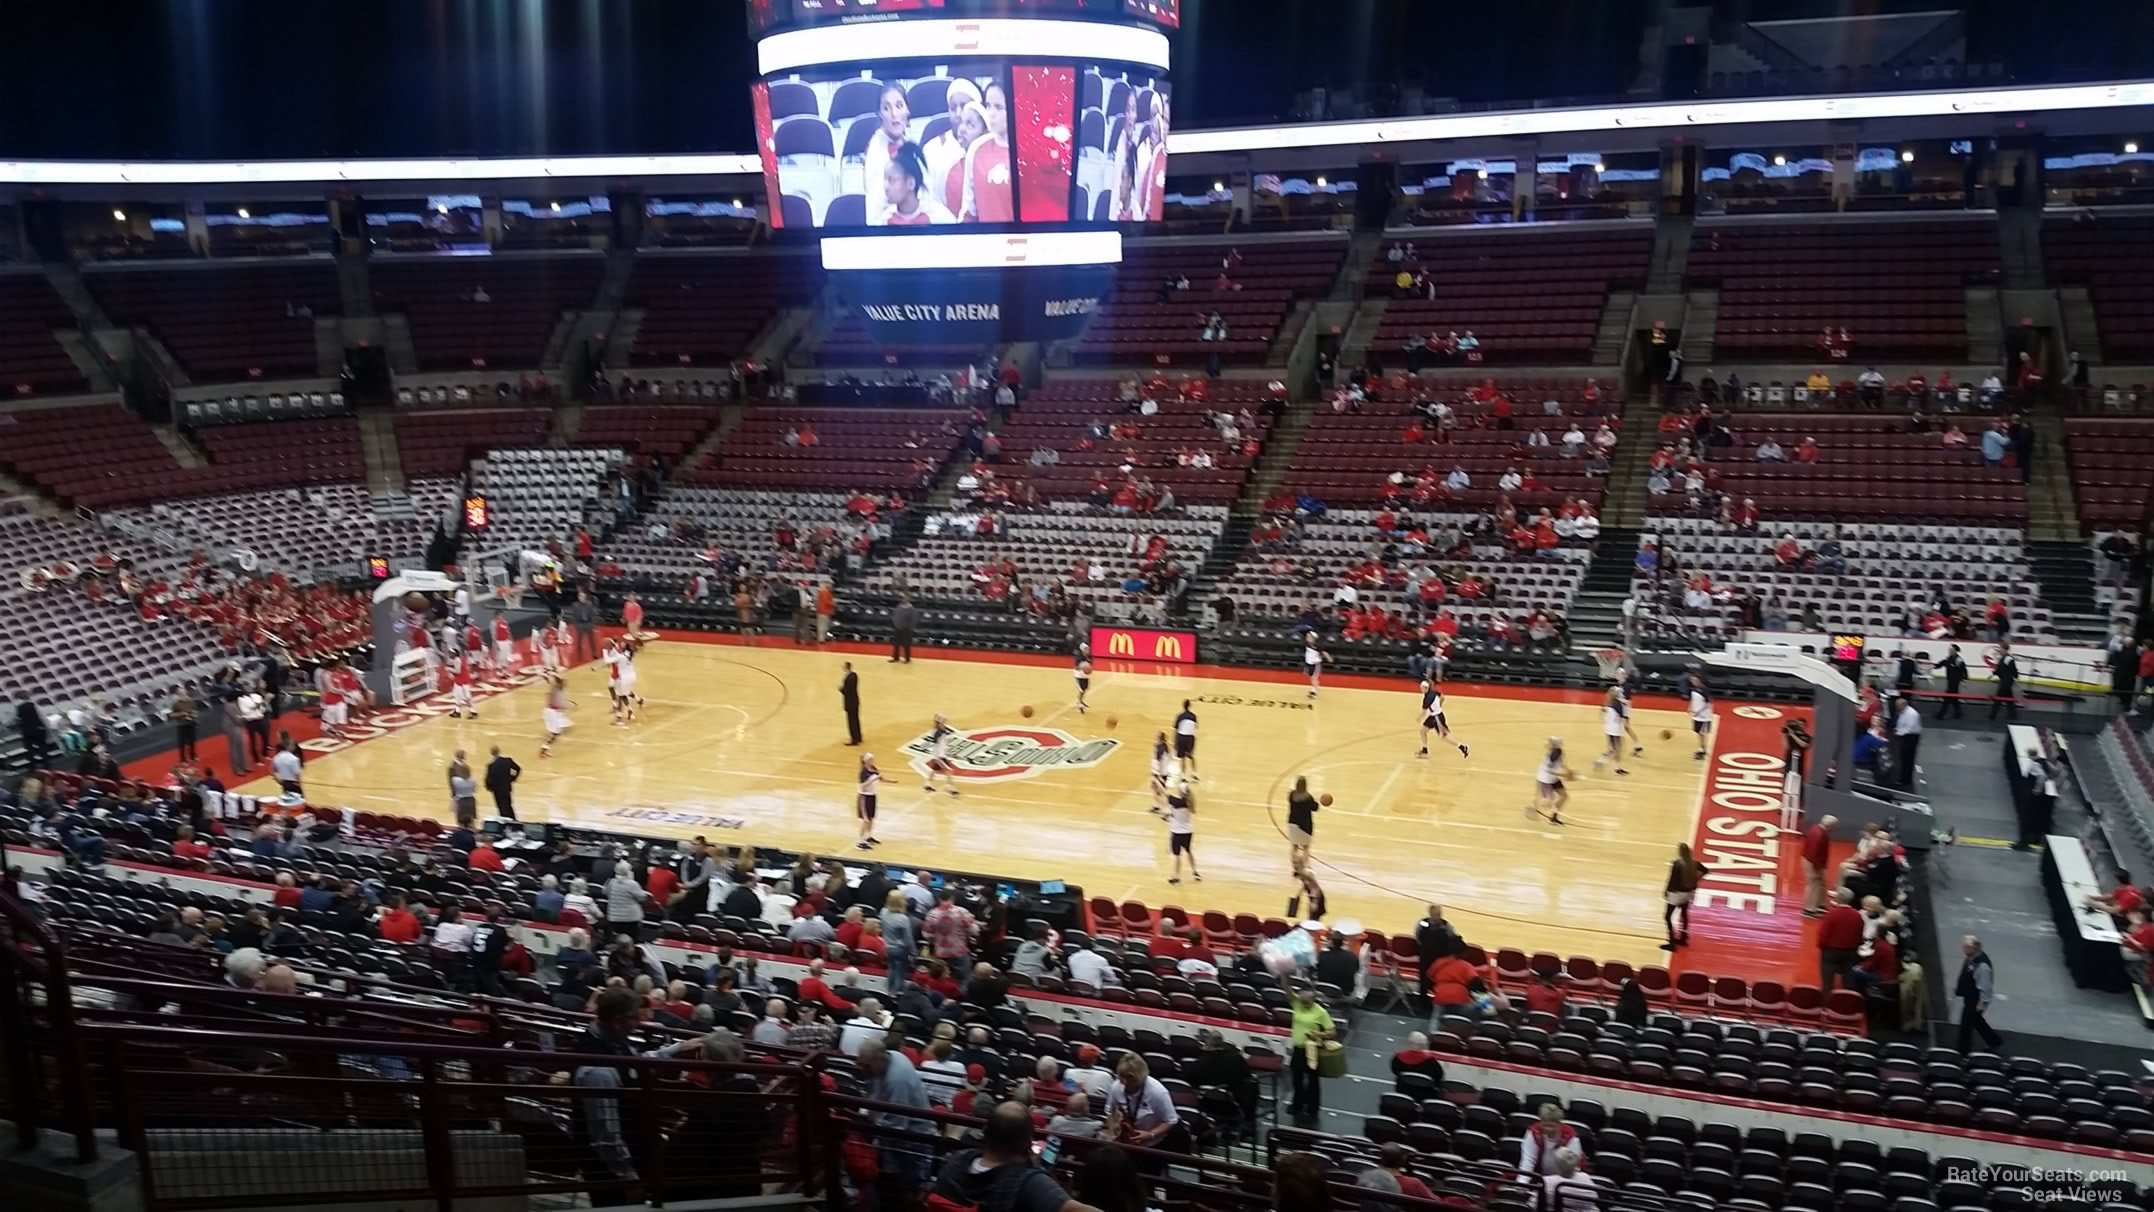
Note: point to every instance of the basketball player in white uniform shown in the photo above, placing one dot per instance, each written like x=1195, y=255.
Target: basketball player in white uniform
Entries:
x=1432, y=719
x=1701, y=713
x=1615, y=715
x=1163, y=771
x=1630, y=730
x=1083, y=673
x=544, y=641
x=1181, y=832
x=1549, y=792
x=938, y=756
x=504, y=647
x=556, y=712
x=335, y=712
x=1312, y=660
x=871, y=782
x=621, y=681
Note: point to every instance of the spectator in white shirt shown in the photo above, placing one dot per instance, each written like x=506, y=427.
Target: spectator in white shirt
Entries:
x=1510, y=480
x=870, y=1024
x=1574, y=441
x=1769, y=452
x=1458, y=480
x=451, y=934
x=1567, y=1188
x=1091, y=967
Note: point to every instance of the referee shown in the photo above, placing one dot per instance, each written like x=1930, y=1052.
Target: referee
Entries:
x=1185, y=742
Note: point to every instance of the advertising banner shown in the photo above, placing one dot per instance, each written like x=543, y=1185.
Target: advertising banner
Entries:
x=977, y=307
x=1144, y=644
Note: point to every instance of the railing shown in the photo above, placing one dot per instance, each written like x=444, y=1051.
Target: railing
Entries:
x=231, y=1120
x=39, y=1045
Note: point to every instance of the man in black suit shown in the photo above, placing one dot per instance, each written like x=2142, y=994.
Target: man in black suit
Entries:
x=1954, y=667
x=2006, y=672
x=849, y=695
x=501, y=776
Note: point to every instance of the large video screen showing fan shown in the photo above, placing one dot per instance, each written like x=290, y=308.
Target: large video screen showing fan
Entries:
x=992, y=125
x=892, y=146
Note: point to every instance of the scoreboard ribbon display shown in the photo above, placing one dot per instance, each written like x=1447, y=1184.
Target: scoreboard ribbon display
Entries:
x=1144, y=644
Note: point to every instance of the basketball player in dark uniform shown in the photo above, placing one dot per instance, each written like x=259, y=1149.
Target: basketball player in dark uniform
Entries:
x=1432, y=719
x=1796, y=742
x=1185, y=741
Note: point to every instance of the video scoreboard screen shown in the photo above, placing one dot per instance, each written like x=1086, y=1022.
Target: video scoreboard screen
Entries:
x=1016, y=115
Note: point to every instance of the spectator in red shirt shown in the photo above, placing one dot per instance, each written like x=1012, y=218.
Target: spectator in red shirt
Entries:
x=2139, y=949
x=2122, y=900
x=1415, y=1057
x=1816, y=853
x=813, y=988
x=1806, y=451
x=662, y=882
x=1392, y=1158
x=1543, y=996
x=287, y=894
x=1787, y=551
x=1839, y=938
x=185, y=845
x=849, y=930
x=1880, y=967
x=484, y=857
x=397, y=924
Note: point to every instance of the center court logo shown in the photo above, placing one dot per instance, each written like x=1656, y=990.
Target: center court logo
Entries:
x=1005, y=752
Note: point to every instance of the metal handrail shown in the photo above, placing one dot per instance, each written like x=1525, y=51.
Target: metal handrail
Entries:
x=33, y=964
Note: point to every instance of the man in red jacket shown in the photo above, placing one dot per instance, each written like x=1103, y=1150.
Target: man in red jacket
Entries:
x=1839, y=939
x=1816, y=852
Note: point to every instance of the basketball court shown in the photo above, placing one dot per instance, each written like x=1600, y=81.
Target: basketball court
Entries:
x=745, y=745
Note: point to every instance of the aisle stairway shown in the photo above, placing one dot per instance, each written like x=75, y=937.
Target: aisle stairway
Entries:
x=1613, y=335
x=2080, y=329
x=1623, y=503
x=2052, y=508
x=2065, y=571
x=1596, y=615
x=1265, y=477
x=384, y=463
x=1701, y=322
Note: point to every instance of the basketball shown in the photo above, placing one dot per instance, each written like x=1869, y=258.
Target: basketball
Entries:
x=1025, y=711
x=1111, y=722
x=1667, y=734
x=1324, y=799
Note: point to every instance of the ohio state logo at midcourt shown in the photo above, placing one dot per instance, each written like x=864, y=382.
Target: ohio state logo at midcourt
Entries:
x=1007, y=751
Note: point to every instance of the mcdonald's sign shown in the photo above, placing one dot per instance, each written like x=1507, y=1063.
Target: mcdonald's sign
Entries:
x=1145, y=644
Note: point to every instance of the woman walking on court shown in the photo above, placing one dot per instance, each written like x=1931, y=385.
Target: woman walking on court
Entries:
x=1300, y=821
x=463, y=791
x=871, y=781
x=1684, y=875
x=1549, y=795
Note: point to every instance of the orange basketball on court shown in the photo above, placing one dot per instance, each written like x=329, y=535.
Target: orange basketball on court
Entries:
x=1324, y=799
x=1667, y=734
x=1111, y=722
x=1025, y=711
